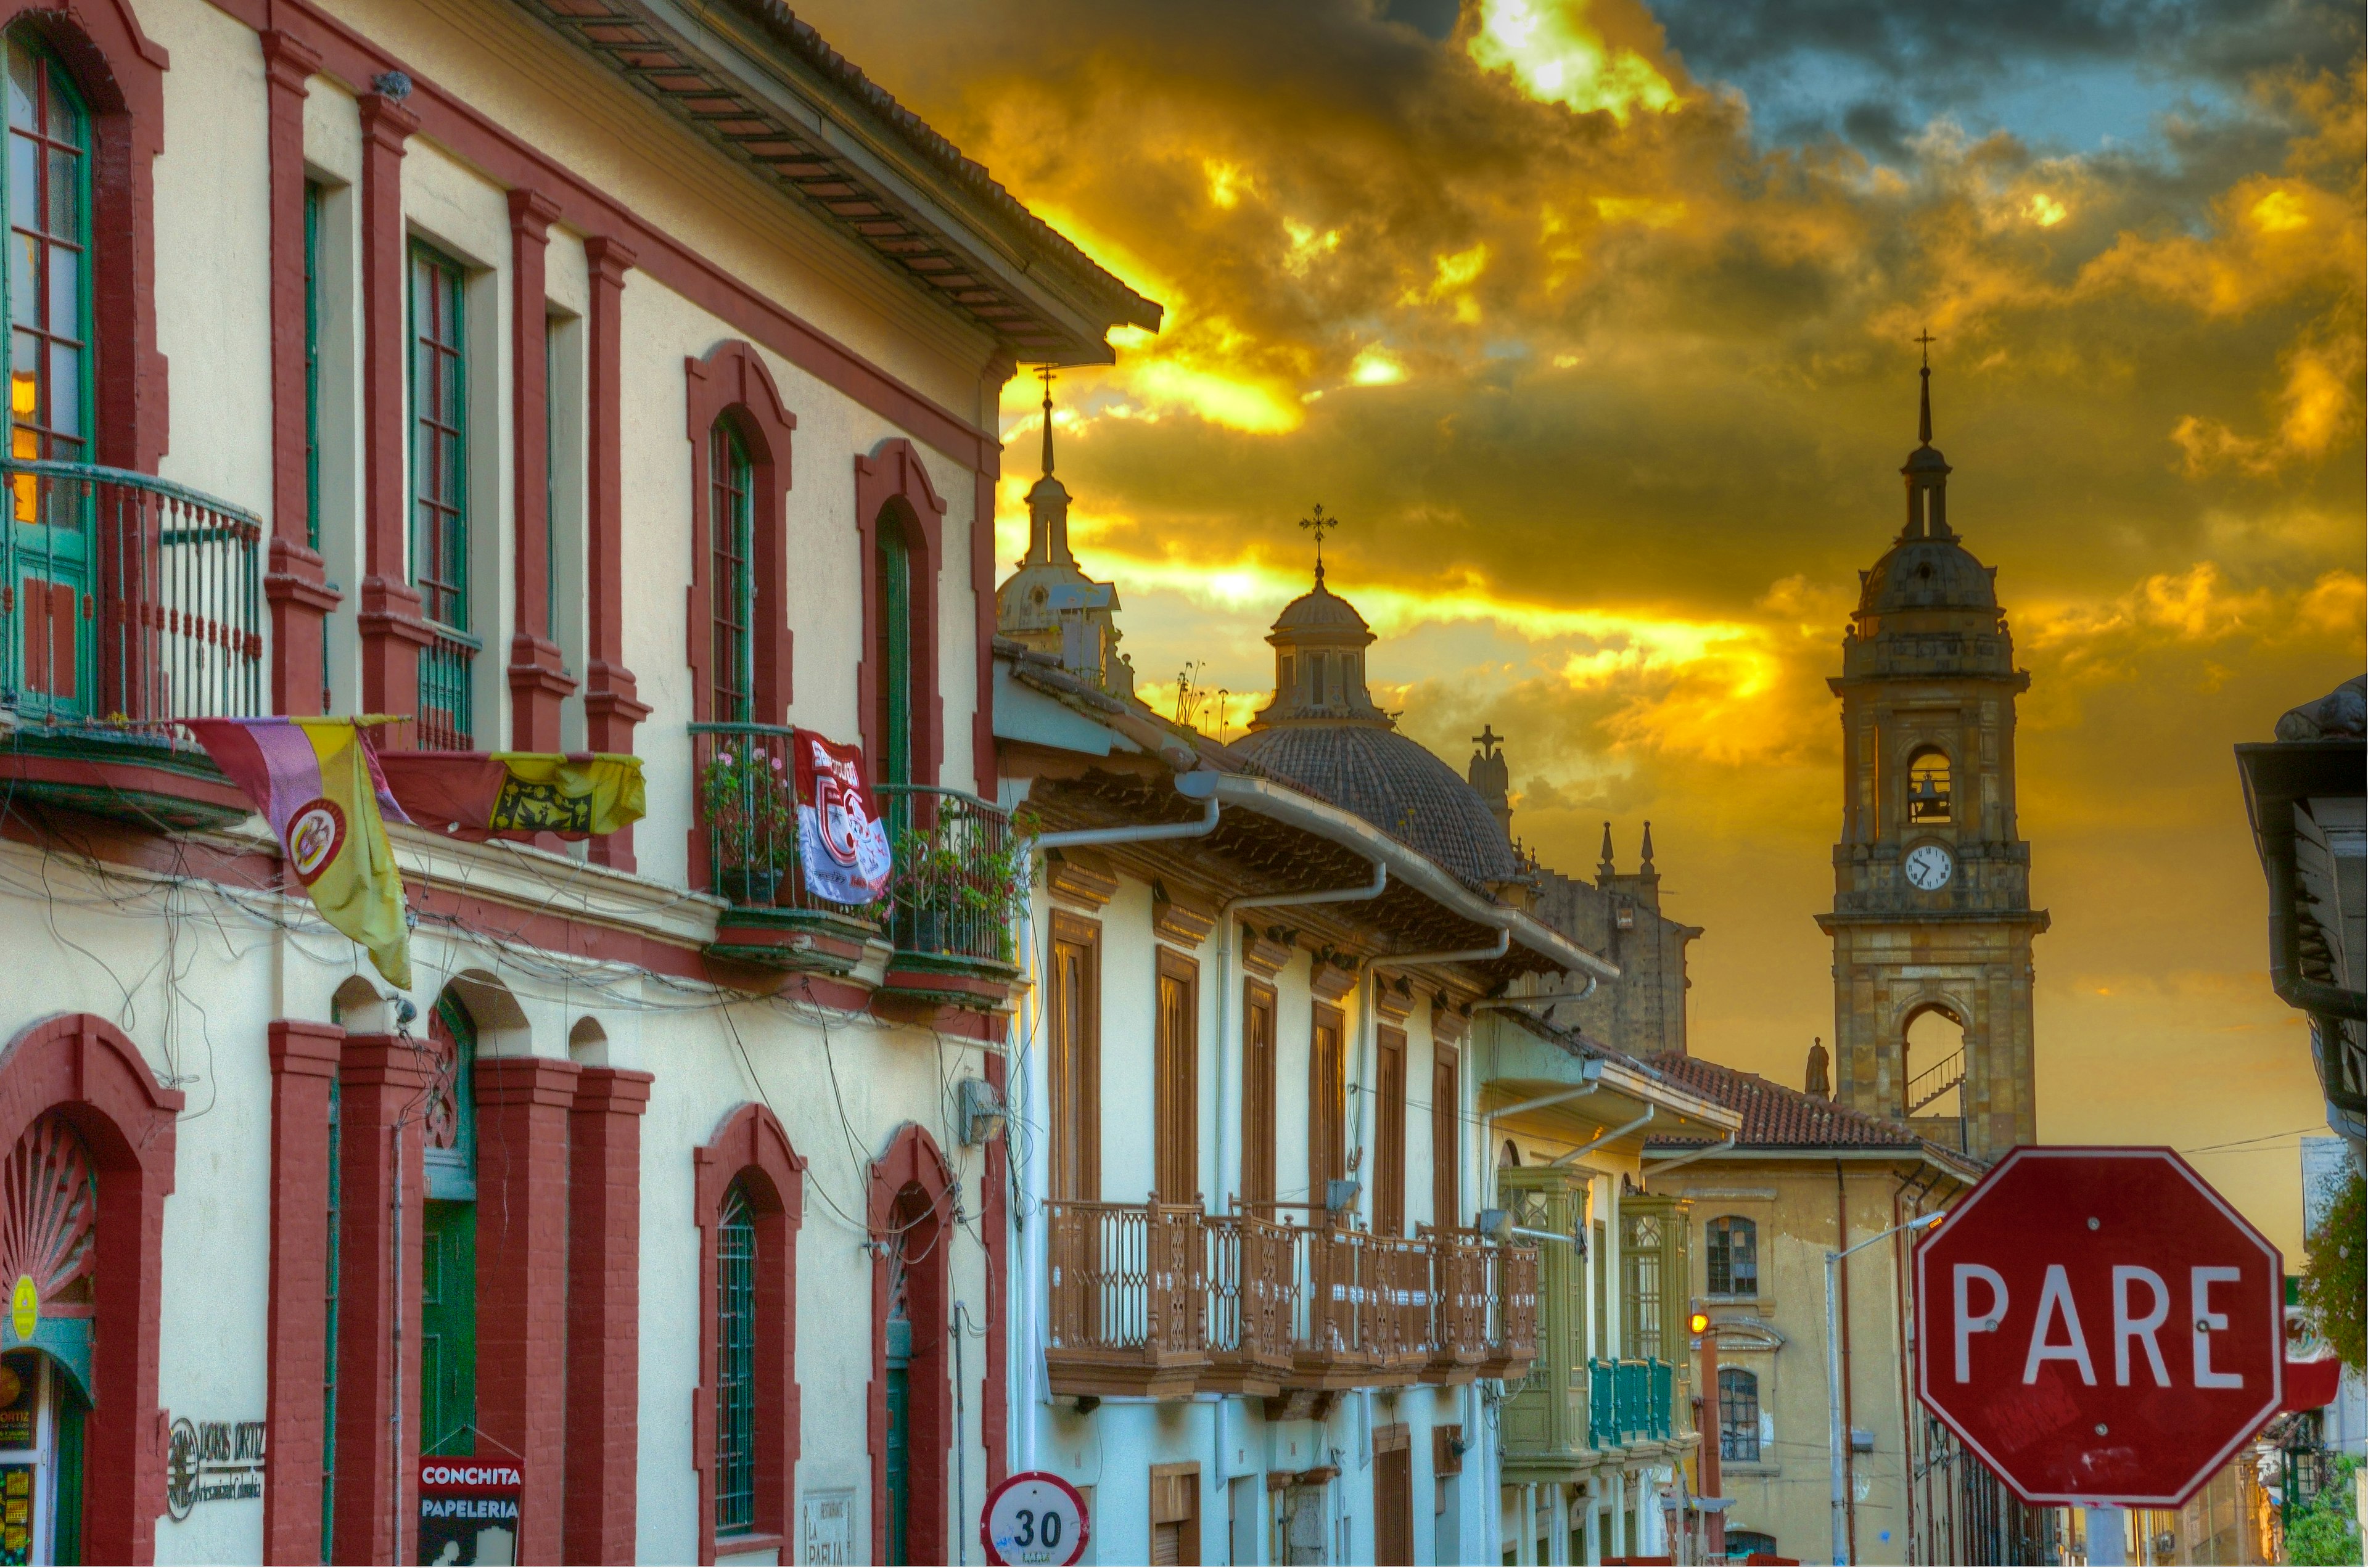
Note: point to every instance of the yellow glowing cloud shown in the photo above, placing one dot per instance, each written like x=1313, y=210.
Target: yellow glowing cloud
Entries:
x=2044, y=210
x=1649, y=212
x=1555, y=56
x=1237, y=403
x=2279, y=213
x=1227, y=182
x=1374, y=367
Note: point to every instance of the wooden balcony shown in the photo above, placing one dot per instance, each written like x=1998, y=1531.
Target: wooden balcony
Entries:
x=1128, y=1297
x=1159, y=1300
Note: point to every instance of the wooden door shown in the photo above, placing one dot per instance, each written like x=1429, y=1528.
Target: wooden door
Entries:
x=1392, y=1498
x=1389, y=1134
x=1328, y=1159
x=1257, y=1092
x=1074, y=1013
x=1176, y=1155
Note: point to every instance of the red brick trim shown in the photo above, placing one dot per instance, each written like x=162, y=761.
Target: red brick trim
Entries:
x=523, y=1107
x=86, y=1069
x=604, y=1306
x=388, y=614
x=304, y=1065
x=732, y=384
x=750, y=1147
x=299, y=595
x=379, y=1080
x=611, y=706
x=892, y=483
x=538, y=685
x=922, y=1222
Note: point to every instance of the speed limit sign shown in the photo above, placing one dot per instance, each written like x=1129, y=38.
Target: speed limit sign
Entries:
x=1034, y=1517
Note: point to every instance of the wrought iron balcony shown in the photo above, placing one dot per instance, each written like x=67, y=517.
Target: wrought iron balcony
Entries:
x=126, y=602
x=953, y=894
x=746, y=850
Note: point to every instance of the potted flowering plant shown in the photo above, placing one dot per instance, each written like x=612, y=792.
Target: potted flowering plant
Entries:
x=752, y=822
x=959, y=888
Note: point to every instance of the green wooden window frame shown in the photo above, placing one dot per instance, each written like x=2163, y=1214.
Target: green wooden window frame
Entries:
x=52, y=406
x=893, y=564
x=448, y=1285
x=736, y=1364
x=440, y=446
x=732, y=576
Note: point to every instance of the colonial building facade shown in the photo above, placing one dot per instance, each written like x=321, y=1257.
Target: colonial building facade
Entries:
x=1931, y=875
x=556, y=375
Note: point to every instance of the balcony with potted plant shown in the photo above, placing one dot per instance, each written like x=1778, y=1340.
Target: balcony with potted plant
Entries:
x=957, y=886
x=745, y=851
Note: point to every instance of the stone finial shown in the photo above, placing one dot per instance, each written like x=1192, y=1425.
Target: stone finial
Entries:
x=1819, y=1082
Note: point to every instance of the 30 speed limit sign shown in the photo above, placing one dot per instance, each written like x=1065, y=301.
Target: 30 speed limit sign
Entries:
x=1034, y=1517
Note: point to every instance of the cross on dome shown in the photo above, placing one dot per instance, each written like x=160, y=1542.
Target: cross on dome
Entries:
x=1318, y=524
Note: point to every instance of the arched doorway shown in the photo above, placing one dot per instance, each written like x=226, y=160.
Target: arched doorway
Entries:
x=912, y=1401
x=48, y=1235
x=448, y=1274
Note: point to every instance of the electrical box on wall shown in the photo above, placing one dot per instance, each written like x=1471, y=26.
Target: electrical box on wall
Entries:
x=982, y=1111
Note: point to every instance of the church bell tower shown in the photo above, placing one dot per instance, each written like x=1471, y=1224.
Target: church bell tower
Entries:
x=1931, y=877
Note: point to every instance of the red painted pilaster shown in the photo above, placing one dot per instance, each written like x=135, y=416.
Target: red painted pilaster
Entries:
x=522, y=1265
x=380, y=1084
x=994, y=1404
x=304, y=1058
x=604, y=1308
x=610, y=706
x=538, y=686
x=391, y=632
x=299, y=595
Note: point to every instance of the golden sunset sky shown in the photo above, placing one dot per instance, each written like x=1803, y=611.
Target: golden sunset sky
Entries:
x=1593, y=319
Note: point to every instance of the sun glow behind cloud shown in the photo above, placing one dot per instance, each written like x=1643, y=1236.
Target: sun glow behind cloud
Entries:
x=1556, y=57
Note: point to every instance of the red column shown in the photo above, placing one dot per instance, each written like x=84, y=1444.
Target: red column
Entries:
x=538, y=686
x=610, y=706
x=995, y=1405
x=391, y=632
x=381, y=1081
x=1707, y=1428
x=522, y=1254
x=604, y=1304
x=304, y=1065
x=299, y=595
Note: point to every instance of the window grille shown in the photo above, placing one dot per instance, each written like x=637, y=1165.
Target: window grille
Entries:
x=733, y=583
x=894, y=565
x=1738, y=1415
x=736, y=1364
x=1733, y=1253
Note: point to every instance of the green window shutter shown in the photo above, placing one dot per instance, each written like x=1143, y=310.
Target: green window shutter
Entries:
x=732, y=588
x=448, y=1285
x=439, y=468
x=894, y=655
x=736, y=1364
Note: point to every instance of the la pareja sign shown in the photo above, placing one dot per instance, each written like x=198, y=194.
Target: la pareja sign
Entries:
x=2100, y=1325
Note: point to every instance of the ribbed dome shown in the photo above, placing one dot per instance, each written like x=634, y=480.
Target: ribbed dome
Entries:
x=1926, y=573
x=1391, y=782
x=1320, y=608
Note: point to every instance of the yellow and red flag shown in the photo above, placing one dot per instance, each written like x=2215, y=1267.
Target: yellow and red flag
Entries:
x=319, y=786
x=572, y=795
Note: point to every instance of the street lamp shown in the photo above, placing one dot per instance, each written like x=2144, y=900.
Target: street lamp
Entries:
x=1834, y=1366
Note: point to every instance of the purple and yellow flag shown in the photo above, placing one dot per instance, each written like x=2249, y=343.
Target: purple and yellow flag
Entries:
x=320, y=788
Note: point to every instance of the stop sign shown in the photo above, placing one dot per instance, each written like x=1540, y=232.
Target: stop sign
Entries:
x=2100, y=1327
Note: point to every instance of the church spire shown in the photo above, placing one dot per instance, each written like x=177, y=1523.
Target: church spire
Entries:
x=1048, y=503
x=1046, y=375
x=1927, y=470
x=1604, y=867
x=1646, y=868
x=1923, y=411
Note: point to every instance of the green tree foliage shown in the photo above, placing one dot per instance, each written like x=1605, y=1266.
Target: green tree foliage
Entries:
x=2334, y=1289
x=2324, y=1532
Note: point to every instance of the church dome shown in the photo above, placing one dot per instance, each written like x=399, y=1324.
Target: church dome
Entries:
x=1393, y=782
x=1321, y=609
x=1927, y=573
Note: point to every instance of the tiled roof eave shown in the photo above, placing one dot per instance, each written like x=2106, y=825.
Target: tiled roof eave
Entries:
x=764, y=88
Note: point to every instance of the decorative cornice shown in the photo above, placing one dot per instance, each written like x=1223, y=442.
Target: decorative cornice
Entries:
x=1183, y=924
x=1079, y=880
x=1265, y=951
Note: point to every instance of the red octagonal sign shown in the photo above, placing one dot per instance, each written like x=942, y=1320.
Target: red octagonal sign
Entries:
x=2100, y=1327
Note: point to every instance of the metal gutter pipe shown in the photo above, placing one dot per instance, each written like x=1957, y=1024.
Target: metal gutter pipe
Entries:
x=1199, y=785
x=1588, y=1072
x=1650, y=1112
x=1704, y=1152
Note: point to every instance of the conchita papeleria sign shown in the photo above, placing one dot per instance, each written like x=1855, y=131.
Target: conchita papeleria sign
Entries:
x=2100, y=1325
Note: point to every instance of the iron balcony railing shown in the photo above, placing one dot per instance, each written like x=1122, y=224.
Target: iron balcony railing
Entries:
x=447, y=706
x=744, y=779
x=958, y=866
x=1630, y=1401
x=126, y=598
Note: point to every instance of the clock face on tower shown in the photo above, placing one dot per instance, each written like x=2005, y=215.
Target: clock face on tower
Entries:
x=1930, y=867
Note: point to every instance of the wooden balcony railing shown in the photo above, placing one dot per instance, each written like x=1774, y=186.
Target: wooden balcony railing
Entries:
x=1129, y=1298
x=1630, y=1401
x=1159, y=1298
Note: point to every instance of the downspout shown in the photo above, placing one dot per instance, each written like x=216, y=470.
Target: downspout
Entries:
x=1588, y=1072
x=1842, y=1309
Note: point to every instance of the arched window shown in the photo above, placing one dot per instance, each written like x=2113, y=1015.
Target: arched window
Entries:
x=50, y=385
x=1928, y=786
x=732, y=579
x=1738, y=1415
x=1742, y=1545
x=736, y=1364
x=895, y=653
x=1732, y=1249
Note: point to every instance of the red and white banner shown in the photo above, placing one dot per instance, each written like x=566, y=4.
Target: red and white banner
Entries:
x=841, y=840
